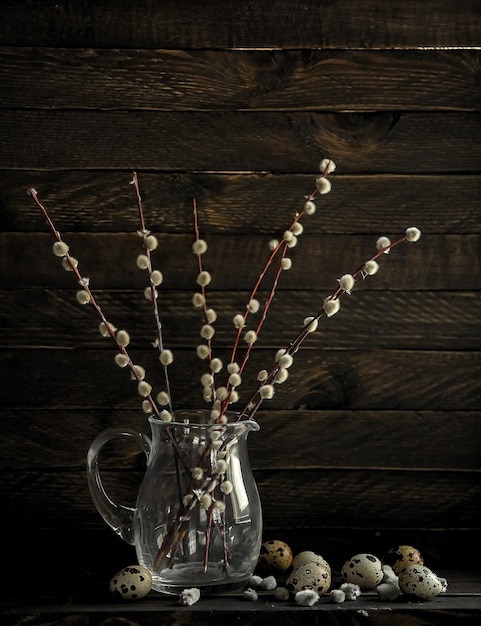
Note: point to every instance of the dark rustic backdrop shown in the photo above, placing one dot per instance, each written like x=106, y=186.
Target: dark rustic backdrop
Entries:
x=375, y=439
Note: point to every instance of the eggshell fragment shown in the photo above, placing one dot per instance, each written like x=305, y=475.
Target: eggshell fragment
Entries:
x=275, y=556
x=364, y=570
x=311, y=575
x=131, y=583
x=401, y=556
x=420, y=581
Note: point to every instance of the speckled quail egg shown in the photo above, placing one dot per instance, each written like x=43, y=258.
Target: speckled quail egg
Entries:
x=275, y=556
x=131, y=583
x=420, y=581
x=364, y=570
x=308, y=555
x=310, y=575
x=400, y=557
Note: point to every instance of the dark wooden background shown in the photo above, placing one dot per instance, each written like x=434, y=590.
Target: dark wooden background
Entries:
x=375, y=439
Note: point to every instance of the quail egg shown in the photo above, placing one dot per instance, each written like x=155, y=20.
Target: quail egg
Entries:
x=421, y=582
x=364, y=570
x=310, y=575
x=131, y=583
x=400, y=557
x=275, y=556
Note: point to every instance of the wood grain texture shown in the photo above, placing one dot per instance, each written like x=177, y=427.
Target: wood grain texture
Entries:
x=349, y=80
x=436, y=262
x=97, y=201
x=297, y=498
x=383, y=319
x=278, y=24
x=333, y=379
x=41, y=439
x=377, y=142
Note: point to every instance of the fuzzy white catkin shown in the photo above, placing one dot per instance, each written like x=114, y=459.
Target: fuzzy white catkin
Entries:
x=327, y=166
x=239, y=321
x=143, y=262
x=234, y=396
x=165, y=415
x=123, y=338
x=210, y=316
x=285, y=361
x=60, y=248
x=166, y=357
x=156, y=278
x=292, y=243
x=331, y=306
x=199, y=246
x=122, y=360
x=297, y=228
x=288, y=235
x=82, y=297
x=413, y=234
x=267, y=392
x=188, y=597
x=262, y=375
x=202, y=351
x=221, y=393
x=198, y=300
x=233, y=368
x=204, y=278
x=138, y=372
x=371, y=267
x=286, y=263
x=250, y=336
x=150, y=294
x=306, y=597
x=383, y=242
x=205, y=501
x=144, y=388
x=323, y=185
x=235, y=380
x=206, y=379
x=105, y=328
x=151, y=242
x=311, y=323
x=147, y=406
x=282, y=375
x=253, y=305
x=226, y=487
x=163, y=398
x=347, y=282
x=69, y=264
x=216, y=365
x=207, y=331
x=309, y=207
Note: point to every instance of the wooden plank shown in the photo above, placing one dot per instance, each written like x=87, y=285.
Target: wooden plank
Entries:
x=364, y=499
x=436, y=262
x=278, y=24
x=374, y=319
x=97, y=201
x=238, y=79
x=332, y=379
x=377, y=142
x=40, y=439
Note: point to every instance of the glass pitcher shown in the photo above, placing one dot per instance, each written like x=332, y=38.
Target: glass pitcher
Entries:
x=197, y=521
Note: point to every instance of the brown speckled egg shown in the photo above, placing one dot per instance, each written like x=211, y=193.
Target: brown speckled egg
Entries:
x=310, y=575
x=420, y=581
x=364, y=570
x=400, y=557
x=308, y=555
x=275, y=556
x=131, y=583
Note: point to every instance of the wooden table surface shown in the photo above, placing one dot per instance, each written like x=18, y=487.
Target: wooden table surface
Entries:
x=461, y=602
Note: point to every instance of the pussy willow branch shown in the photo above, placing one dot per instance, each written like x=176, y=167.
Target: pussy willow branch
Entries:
x=155, y=307
x=280, y=249
x=256, y=400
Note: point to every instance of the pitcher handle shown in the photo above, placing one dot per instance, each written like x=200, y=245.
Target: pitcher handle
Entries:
x=118, y=516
